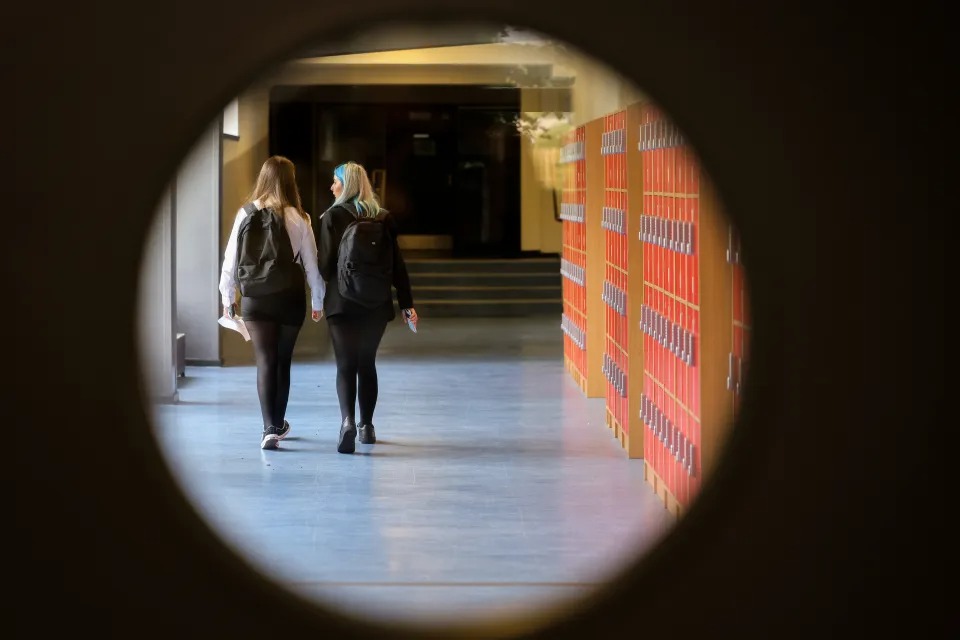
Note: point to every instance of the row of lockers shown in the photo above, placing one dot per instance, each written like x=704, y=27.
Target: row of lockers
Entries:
x=614, y=219
x=678, y=443
x=577, y=335
x=614, y=139
x=617, y=250
x=672, y=445
x=574, y=342
x=668, y=229
x=616, y=312
x=574, y=237
x=615, y=171
x=681, y=208
x=614, y=222
x=615, y=297
x=573, y=272
x=575, y=295
x=615, y=371
x=651, y=299
x=672, y=336
x=660, y=134
x=617, y=351
x=614, y=142
x=573, y=211
x=668, y=265
x=671, y=343
x=670, y=170
x=613, y=148
x=676, y=235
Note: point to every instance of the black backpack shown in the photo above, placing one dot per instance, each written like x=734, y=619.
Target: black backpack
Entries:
x=365, y=262
x=265, y=260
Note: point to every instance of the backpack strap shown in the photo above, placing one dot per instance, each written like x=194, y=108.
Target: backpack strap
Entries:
x=353, y=213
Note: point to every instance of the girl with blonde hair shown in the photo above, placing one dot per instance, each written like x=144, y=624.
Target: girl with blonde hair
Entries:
x=356, y=329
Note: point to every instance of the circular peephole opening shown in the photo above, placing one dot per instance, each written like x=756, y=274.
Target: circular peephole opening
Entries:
x=576, y=366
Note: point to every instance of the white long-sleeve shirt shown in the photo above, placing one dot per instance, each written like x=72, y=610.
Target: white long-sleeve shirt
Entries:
x=302, y=241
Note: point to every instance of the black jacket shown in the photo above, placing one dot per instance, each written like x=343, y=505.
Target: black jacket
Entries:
x=328, y=229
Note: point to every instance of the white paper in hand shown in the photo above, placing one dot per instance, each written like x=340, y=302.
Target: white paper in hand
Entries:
x=236, y=324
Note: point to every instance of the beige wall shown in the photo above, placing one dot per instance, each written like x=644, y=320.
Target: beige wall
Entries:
x=599, y=91
x=539, y=229
x=241, y=163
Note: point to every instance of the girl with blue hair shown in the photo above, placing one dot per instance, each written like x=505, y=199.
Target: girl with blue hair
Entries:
x=356, y=330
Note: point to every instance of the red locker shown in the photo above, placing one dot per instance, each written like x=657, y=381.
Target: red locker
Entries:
x=669, y=158
x=694, y=204
x=671, y=246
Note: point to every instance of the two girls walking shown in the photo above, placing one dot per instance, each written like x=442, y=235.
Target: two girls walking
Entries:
x=350, y=259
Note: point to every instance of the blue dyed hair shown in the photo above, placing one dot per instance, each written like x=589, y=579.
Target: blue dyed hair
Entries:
x=339, y=173
x=356, y=189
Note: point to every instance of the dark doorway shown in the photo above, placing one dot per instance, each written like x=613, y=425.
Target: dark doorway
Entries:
x=445, y=159
x=421, y=157
x=487, y=183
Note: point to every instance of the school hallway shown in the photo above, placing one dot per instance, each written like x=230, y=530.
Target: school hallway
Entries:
x=494, y=485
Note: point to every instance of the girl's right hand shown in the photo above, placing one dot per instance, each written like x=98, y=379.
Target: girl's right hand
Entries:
x=230, y=311
x=411, y=315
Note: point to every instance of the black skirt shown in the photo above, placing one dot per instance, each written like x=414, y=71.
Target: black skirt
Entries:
x=287, y=307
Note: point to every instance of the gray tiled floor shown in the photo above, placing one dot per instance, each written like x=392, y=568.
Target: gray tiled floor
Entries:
x=495, y=485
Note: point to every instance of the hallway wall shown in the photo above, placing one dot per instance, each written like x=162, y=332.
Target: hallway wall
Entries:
x=197, y=245
x=156, y=308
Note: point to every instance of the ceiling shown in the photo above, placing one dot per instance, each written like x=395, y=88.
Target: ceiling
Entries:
x=402, y=37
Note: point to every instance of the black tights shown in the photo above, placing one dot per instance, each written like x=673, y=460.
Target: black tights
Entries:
x=273, y=345
x=355, y=344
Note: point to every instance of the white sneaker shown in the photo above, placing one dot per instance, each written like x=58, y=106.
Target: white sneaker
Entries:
x=270, y=438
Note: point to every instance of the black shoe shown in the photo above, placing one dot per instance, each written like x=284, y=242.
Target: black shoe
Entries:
x=367, y=434
x=270, y=438
x=348, y=437
x=284, y=430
